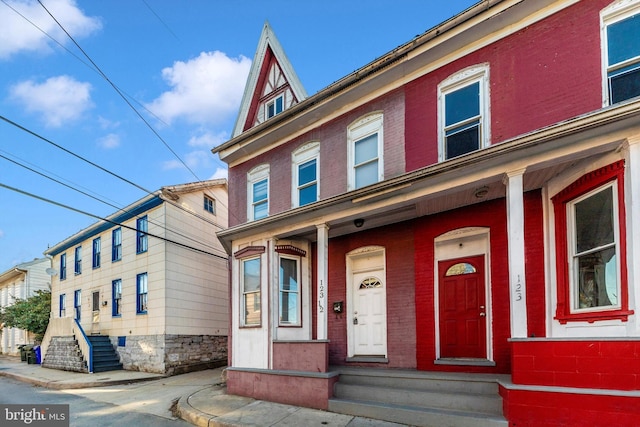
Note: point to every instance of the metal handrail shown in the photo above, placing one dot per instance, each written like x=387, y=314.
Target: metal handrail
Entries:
x=88, y=345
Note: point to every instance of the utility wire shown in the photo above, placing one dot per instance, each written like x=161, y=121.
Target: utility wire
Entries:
x=104, y=76
x=120, y=209
x=95, y=69
x=79, y=59
x=11, y=122
x=53, y=202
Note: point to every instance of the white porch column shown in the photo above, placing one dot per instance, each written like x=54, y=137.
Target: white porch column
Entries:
x=632, y=202
x=515, y=234
x=321, y=279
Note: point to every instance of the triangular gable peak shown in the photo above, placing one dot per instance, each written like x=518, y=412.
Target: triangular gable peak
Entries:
x=272, y=85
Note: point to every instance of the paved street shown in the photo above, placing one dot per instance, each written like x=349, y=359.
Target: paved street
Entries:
x=141, y=404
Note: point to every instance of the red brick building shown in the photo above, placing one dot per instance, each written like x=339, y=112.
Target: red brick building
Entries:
x=460, y=209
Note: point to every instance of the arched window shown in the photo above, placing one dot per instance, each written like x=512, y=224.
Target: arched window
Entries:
x=460, y=268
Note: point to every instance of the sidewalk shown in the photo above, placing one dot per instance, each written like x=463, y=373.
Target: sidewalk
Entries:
x=209, y=406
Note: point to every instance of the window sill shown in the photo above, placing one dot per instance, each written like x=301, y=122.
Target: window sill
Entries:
x=139, y=313
x=591, y=317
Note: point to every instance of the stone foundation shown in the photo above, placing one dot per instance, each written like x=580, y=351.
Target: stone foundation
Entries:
x=171, y=354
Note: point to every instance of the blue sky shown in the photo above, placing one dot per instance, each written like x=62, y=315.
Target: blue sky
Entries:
x=181, y=64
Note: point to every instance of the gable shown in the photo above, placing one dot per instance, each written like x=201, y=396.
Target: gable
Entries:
x=272, y=85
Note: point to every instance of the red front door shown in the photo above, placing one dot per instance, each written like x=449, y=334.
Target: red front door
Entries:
x=463, y=326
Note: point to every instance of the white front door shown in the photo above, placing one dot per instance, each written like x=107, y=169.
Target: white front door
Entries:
x=367, y=320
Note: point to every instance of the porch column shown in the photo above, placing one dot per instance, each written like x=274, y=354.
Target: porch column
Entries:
x=632, y=202
x=321, y=279
x=515, y=235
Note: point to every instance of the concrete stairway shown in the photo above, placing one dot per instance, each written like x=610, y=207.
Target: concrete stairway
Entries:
x=419, y=398
x=64, y=354
x=105, y=357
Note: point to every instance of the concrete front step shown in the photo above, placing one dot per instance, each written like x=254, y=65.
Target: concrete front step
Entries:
x=419, y=398
x=490, y=404
x=423, y=417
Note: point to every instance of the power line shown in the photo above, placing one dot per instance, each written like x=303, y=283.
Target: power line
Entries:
x=53, y=202
x=119, y=93
x=37, y=135
x=120, y=209
x=113, y=85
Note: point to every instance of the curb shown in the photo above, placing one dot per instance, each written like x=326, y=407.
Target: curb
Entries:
x=192, y=415
x=66, y=386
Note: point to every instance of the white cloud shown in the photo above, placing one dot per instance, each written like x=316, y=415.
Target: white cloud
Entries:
x=19, y=35
x=220, y=173
x=194, y=159
x=109, y=141
x=59, y=99
x=208, y=140
x=206, y=89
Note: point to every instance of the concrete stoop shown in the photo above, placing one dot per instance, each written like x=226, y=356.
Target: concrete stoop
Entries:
x=419, y=398
x=64, y=354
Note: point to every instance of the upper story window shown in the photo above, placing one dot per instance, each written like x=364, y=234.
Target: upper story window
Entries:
x=621, y=51
x=63, y=266
x=365, y=141
x=305, y=166
x=142, y=238
x=591, y=255
x=116, y=244
x=463, y=112
x=77, y=267
x=209, y=205
x=258, y=193
x=275, y=106
x=95, y=258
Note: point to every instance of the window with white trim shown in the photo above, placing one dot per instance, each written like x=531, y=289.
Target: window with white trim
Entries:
x=305, y=167
x=365, y=151
x=209, y=205
x=463, y=112
x=621, y=51
x=275, y=106
x=589, y=218
x=250, y=289
x=289, y=291
x=258, y=193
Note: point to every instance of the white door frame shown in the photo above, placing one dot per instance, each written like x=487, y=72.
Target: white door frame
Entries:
x=352, y=259
x=461, y=243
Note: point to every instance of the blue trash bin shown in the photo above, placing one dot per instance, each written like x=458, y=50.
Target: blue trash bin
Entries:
x=36, y=349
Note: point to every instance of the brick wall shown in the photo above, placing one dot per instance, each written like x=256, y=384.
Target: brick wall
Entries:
x=541, y=75
x=398, y=243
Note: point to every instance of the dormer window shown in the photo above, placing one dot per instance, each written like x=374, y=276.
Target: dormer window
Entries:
x=275, y=106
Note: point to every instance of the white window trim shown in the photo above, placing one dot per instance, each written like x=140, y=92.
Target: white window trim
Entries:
x=243, y=316
x=298, y=261
x=612, y=14
x=362, y=128
x=475, y=73
x=571, y=245
x=273, y=102
x=255, y=175
x=307, y=152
